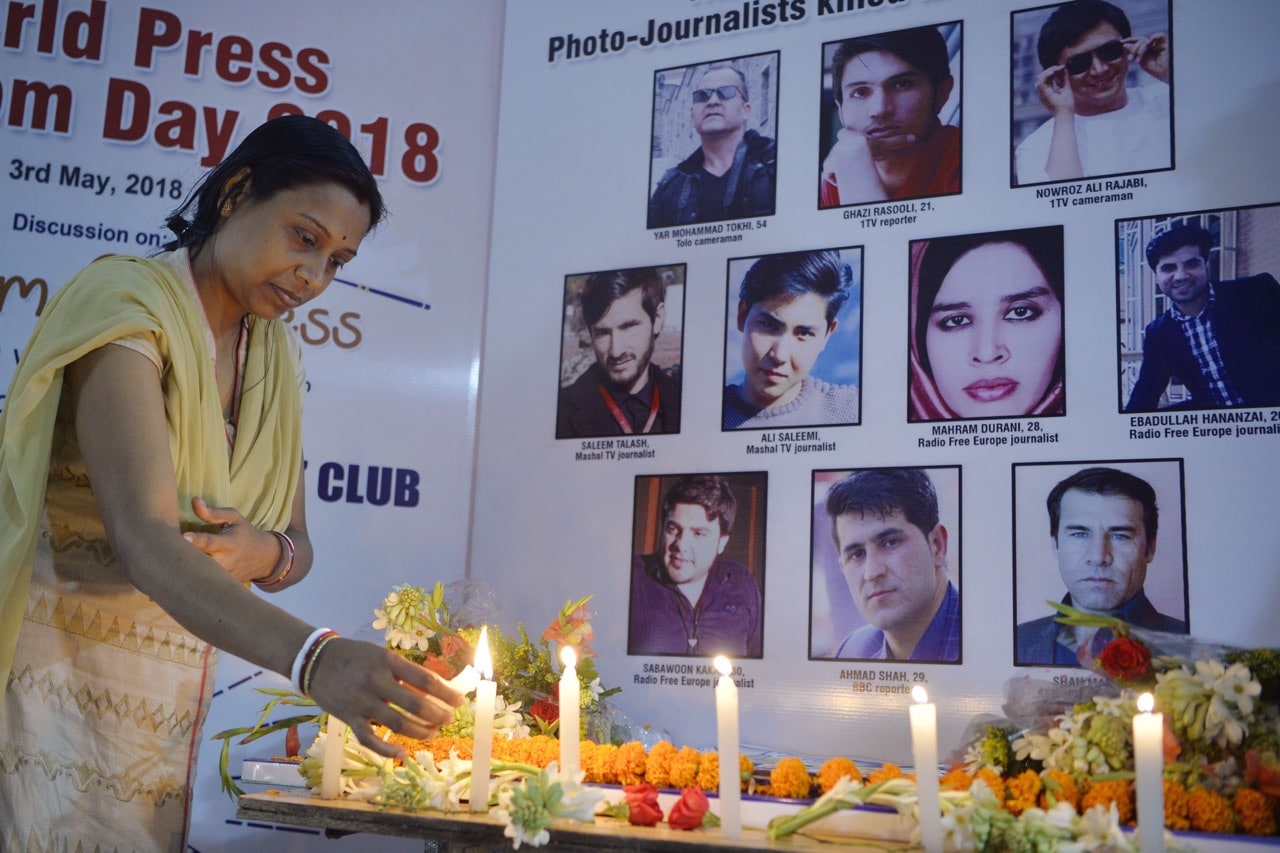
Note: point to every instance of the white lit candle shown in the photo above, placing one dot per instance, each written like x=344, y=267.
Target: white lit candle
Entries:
x=465, y=681
x=924, y=749
x=482, y=749
x=331, y=761
x=1148, y=764
x=727, y=745
x=570, y=708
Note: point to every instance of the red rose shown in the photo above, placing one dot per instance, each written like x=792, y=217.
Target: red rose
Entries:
x=1125, y=659
x=545, y=710
x=688, y=811
x=642, y=801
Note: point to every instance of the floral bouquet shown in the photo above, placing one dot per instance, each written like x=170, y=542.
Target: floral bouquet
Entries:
x=1058, y=772
x=427, y=630
x=527, y=790
x=438, y=630
x=1221, y=740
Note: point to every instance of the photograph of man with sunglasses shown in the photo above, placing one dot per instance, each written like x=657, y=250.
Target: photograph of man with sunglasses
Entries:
x=1105, y=92
x=732, y=174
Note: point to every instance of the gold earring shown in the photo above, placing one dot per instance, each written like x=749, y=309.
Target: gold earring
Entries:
x=227, y=207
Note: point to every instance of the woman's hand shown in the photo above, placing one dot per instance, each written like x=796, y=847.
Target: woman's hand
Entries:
x=246, y=552
x=362, y=683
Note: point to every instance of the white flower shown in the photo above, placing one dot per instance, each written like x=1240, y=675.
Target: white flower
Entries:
x=843, y=790
x=399, y=618
x=974, y=759
x=528, y=806
x=1237, y=685
x=362, y=769
x=596, y=689
x=1062, y=815
x=1056, y=749
x=577, y=802
x=1221, y=724
x=957, y=827
x=512, y=810
x=416, y=784
x=507, y=720
x=1099, y=829
x=1115, y=706
x=982, y=794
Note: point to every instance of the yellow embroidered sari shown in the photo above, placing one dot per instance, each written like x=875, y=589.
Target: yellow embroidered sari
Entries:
x=106, y=694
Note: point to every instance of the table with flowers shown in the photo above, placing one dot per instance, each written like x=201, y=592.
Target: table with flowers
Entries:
x=1185, y=732
x=463, y=832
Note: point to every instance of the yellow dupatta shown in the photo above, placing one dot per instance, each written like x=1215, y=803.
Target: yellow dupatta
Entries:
x=113, y=298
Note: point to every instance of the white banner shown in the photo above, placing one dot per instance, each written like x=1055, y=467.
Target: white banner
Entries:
x=111, y=111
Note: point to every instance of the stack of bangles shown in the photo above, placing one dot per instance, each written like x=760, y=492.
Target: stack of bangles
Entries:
x=284, y=565
x=305, y=663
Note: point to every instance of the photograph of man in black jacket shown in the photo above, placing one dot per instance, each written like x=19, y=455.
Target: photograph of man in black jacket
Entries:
x=732, y=174
x=620, y=316
x=1221, y=340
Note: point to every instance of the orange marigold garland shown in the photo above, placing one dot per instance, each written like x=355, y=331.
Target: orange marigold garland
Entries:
x=684, y=768
x=790, y=779
x=709, y=771
x=629, y=763
x=1059, y=786
x=1256, y=811
x=1118, y=791
x=994, y=781
x=657, y=768
x=886, y=771
x=603, y=768
x=1176, y=814
x=1023, y=791
x=1210, y=811
x=955, y=779
x=835, y=769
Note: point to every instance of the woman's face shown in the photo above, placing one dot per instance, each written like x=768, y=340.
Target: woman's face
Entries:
x=275, y=254
x=994, y=333
x=782, y=338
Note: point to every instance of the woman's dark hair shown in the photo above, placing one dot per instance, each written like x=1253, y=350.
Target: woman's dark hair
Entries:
x=283, y=153
x=1044, y=245
x=795, y=274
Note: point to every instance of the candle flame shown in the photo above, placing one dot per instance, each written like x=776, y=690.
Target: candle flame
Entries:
x=919, y=694
x=483, y=660
x=722, y=665
x=568, y=657
x=1146, y=703
x=465, y=681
